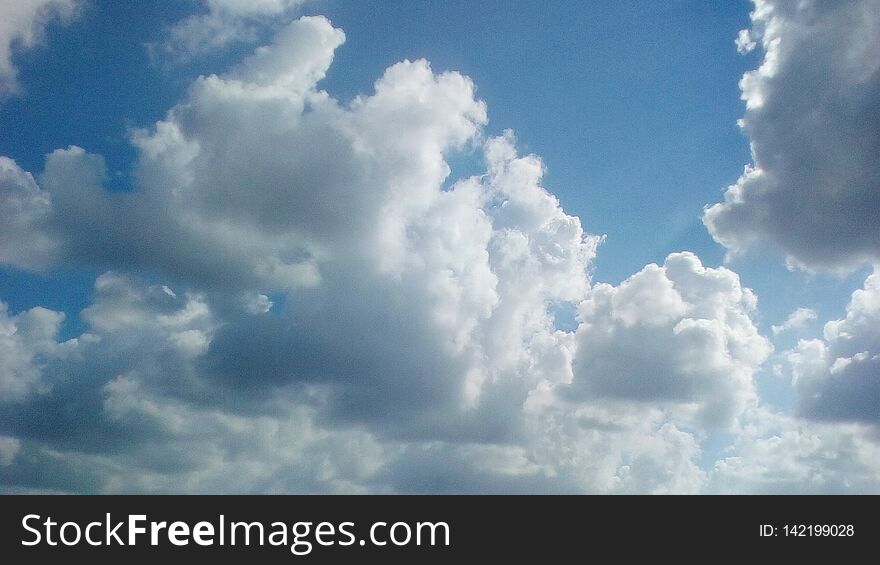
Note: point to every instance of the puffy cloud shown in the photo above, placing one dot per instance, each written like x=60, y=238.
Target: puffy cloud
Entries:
x=22, y=27
x=777, y=454
x=130, y=410
x=260, y=182
x=133, y=329
x=257, y=176
x=796, y=320
x=27, y=341
x=812, y=121
x=221, y=22
x=416, y=307
x=680, y=334
x=124, y=411
x=129, y=312
x=838, y=377
x=321, y=308
x=24, y=209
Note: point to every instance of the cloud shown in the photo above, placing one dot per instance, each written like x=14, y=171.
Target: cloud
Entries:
x=417, y=307
x=744, y=42
x=317, y=183
x=776, y=454
x=312, y=303
x=838, y=378
x=27, y=340
x=22, y=27
x=611, y=446
x=679, y=334
x=128, y=410
x=259, y=182
x=221, y=23
x=24, y=209
x=193, y=449
x=814, y=129
x=796, y=320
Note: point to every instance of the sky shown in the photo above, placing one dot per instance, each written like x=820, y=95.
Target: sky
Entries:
x=320, y=246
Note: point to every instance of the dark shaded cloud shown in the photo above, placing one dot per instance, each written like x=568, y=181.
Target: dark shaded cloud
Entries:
x=813, y=122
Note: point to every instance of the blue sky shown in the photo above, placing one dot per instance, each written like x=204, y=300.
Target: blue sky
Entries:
x=632, y=108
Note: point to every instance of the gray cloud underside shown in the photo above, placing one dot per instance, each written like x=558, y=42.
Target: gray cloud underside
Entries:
x=813, y=122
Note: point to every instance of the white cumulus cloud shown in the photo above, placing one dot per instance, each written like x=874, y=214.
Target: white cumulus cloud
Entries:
x=679, y=334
